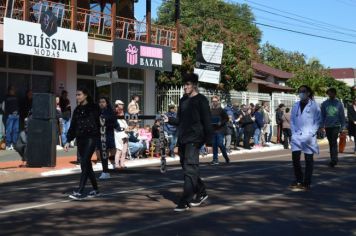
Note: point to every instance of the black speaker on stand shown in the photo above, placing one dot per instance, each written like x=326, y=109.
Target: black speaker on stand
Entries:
x=42, y=131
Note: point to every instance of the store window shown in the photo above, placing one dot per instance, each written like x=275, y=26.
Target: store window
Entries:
x=137, y=74
x=102, y=69
x=3, y=86
x=103, y=91
x=21, y=83
x=2, y=58
x=19, y=61
x=42, y=64
x=137, y=89
x=85, y=68
x=42, y=84
x=121, y=73
x=88, y=84
x=120, y=92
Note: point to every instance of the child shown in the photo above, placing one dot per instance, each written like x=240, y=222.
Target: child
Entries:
x=145, y=136
x=155, y=136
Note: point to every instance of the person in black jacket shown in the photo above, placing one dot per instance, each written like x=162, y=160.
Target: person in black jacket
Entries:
x=351, y=115
x=194, y=129
x=247, y=123
x=106, y=144
x=279, y=121
x=85, y=128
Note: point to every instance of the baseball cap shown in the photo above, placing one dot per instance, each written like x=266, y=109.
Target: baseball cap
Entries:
x=119, y=102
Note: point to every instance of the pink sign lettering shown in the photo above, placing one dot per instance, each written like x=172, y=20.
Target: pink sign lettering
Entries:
x=151, y=52
x=131, y=55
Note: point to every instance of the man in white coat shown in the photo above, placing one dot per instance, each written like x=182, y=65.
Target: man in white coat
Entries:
x=305, y=122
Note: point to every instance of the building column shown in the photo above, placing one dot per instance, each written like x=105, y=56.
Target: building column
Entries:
x=113, y=20
x=149, y=92
x=26, y=10
x=65, y=77
x=73, y=16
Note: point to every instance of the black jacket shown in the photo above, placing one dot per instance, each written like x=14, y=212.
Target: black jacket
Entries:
x=193, y=121
x=247, y=123
x=85, y=122
x=155, y=131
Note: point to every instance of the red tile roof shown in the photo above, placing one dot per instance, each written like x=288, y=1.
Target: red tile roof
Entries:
x=271, y=85
x=265, y=69
x=342, y=73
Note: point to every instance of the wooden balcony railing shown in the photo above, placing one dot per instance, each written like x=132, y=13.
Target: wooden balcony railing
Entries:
x=97, y=24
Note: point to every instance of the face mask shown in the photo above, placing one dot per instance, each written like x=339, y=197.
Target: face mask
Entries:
x=302, y=96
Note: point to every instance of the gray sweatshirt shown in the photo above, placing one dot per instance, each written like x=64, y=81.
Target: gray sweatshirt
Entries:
x=332, y=114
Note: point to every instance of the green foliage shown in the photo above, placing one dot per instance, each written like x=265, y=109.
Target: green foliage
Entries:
x=214, y=21
x=310, y=73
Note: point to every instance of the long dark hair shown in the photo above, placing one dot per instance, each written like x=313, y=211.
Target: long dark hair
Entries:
x=86, y=92
x=311, y=92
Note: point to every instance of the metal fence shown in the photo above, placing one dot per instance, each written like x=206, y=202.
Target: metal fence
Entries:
x=172, y=96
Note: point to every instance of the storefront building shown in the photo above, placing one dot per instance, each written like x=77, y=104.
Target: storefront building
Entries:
x=76, y=55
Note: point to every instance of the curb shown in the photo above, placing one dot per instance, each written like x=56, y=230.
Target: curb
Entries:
x=146, y=162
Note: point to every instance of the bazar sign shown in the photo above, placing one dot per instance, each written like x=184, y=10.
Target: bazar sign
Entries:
x=142, y=56
x=45, y=39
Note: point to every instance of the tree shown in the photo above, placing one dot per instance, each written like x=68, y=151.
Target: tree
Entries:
x=311, y=73
x=214, y=21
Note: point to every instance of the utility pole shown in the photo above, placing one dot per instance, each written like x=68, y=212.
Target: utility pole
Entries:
x=148, y=21
x=177, y=19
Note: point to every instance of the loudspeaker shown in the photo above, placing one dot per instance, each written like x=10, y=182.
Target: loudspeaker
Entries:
x=41, y=143
x=43, y=106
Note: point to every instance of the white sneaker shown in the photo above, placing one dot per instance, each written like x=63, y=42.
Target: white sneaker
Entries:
x=104, y=176
x=10, y=148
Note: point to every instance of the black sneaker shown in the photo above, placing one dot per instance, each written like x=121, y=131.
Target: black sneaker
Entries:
x=181, y=207
x=306, y=187
x=296, y=187
x=199, y=200
x=214, y=163
x=77, y=196
x=94, y=193
x=227, y=160
x=332, y=164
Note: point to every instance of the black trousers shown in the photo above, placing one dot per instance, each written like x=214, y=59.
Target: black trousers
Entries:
x=287, y=133
x=309, y=166
x=193, y=184
x=332, y=134
x=247, y=138
x=86, y=148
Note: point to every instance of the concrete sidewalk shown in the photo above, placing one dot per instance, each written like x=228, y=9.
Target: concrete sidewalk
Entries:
x=66, y=163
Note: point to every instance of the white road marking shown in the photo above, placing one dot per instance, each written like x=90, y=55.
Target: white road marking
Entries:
x=158, y=186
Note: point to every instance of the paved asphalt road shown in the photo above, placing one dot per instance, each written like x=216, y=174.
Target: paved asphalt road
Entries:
x=247, y=197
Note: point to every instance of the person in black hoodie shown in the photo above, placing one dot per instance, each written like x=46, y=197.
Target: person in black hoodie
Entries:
x=247, y=123
x=106, y=145
x=85, y=128
x=194, y=129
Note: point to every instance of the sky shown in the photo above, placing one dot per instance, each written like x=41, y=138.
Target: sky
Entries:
x=326, y=18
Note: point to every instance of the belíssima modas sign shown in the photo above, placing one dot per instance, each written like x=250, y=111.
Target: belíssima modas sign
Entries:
x=45, y=39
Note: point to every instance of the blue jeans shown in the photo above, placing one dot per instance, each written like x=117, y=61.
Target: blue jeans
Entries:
x=218, y=142
x=12, y=129
x=239, y=134
x=172, y=139
x=135, y=148
x=256, y=136
x=65, y=128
